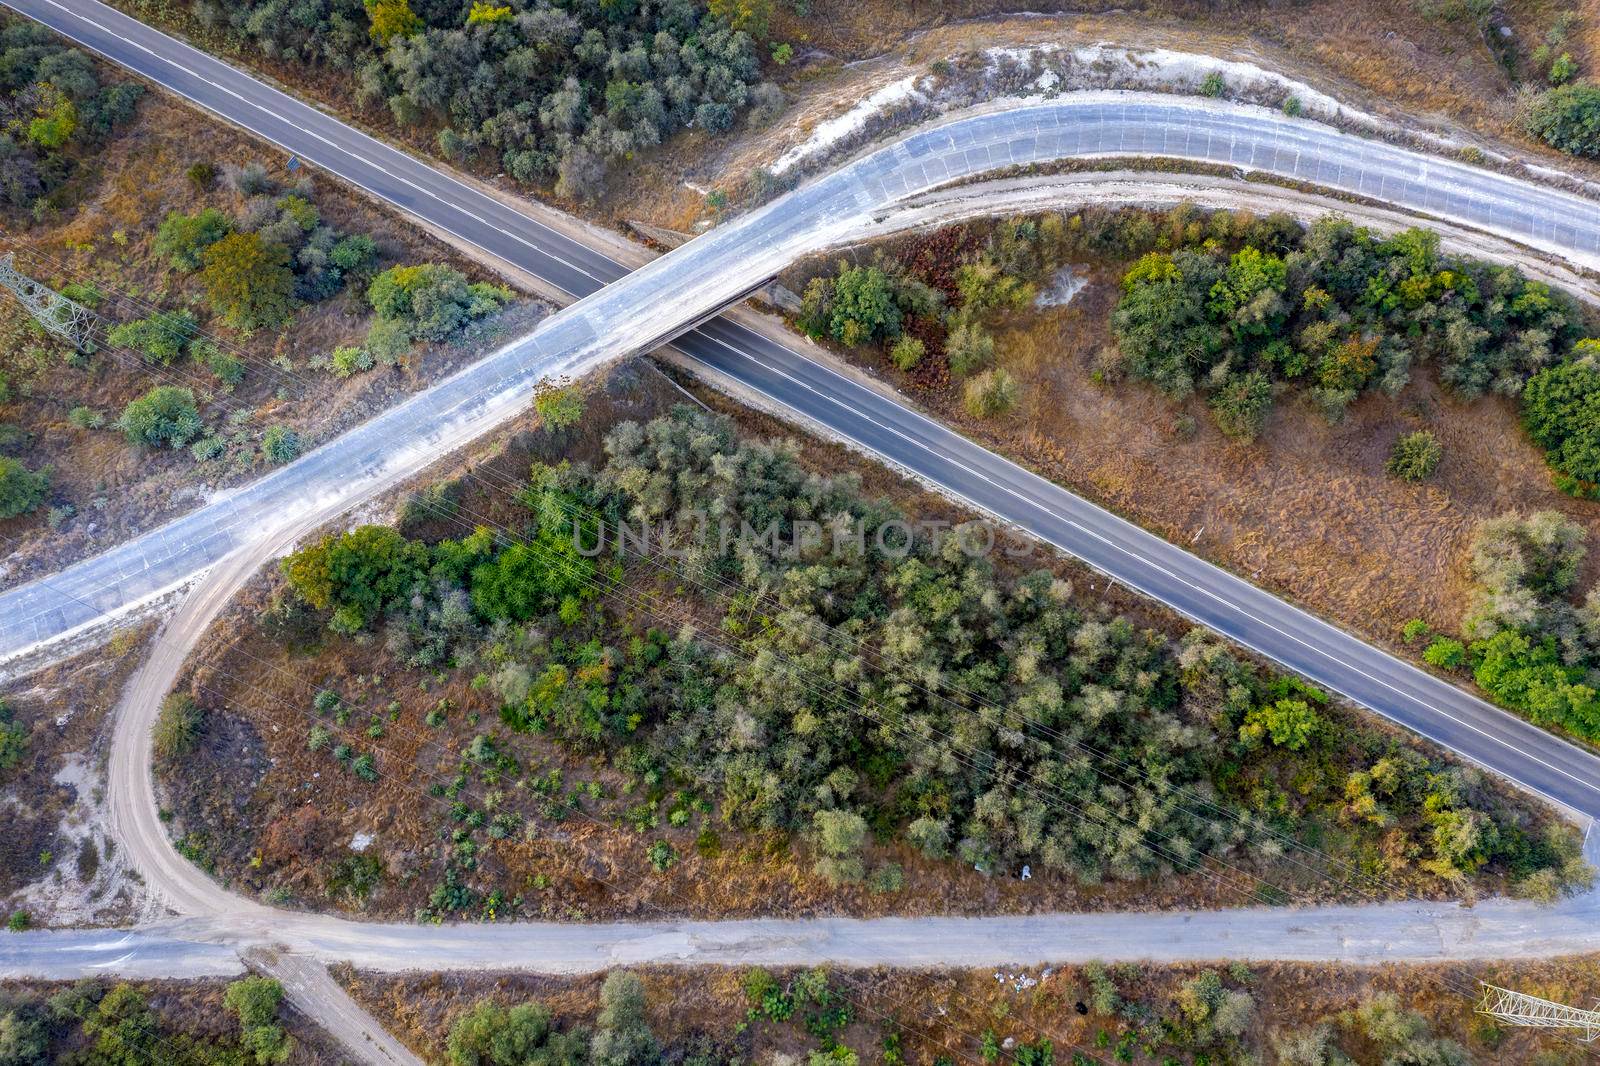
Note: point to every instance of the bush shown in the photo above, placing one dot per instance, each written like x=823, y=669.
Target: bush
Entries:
x=1415, y=456
x=433, y=300
x=21, y=490
x=164, y=415
x=907, y=352
x=280, y=444
x=349, y=360
x=248, y=281
x=990, y=394
x=389, y=340
x=255, y=1000
x=1214, y=85
x=201, y=175
x=19, y=922
x=1567, y=117
x=177, y=728
x=1445, y=653
x=969, y=348
x=86, y=418
x=559, y=406
x=1241, y=406
x=161, y=338
x=183, y=239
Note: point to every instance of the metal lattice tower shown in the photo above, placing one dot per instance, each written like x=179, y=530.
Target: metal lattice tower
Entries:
x=67, y=319
x=1519, y=1008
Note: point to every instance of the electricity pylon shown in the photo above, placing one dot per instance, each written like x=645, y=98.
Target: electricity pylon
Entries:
x=1519, y=1008
x=67, y=319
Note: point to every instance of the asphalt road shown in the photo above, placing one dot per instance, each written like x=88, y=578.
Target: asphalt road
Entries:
x=650, y=305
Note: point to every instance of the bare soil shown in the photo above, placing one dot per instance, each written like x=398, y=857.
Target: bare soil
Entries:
x=945, y=1012
x=57, y=859
x=116, y=488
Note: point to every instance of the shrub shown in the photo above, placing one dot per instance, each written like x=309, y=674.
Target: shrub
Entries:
x=248, y=281
x=255, y=1000
x=1415, y=456
x=1414, y=630
x=21, y=489
x=969, y=348
x=559, y=406
x=1445, y=653
x=1567, y=117
x=1214, y=85
x=662, y=855
x=364, y=767
x=161, y=338
x=164, y=415
x=19, y=922
x=183, y=239
x=280, y=444
x=177, y=728
x=1241, y=406
x=251, y=180
x=349, y=360
x=990, y=394
x=208, y=447
x=389, y=340
x=907, y=352
x=201, y=175
x=86, y=418
x=863, y=308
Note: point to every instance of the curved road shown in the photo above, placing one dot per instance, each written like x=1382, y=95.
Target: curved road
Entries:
x=641, y=310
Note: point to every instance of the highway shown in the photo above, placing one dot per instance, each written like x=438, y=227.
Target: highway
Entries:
x=617, y=315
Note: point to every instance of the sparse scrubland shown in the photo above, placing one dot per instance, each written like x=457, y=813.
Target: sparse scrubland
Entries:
x=1260, y=321
x=1285, y=1014
x=570, y=733
x=137, y=1023
x=241, y=313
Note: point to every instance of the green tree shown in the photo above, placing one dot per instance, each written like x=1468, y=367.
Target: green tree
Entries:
x=622, y=1035
x=1561, y=410
x=21, y=490
x=14, y=738
x=1415, y=456
x=389, y=19
x=248, y=280
x=839, y=837
x=54, y=121
x=907, y=352
x=968, y=347
x=164, y=415
x=863, y=307
x=255, y=1000
x=492, y=1035
x=1289, y=723
x=358, y=574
